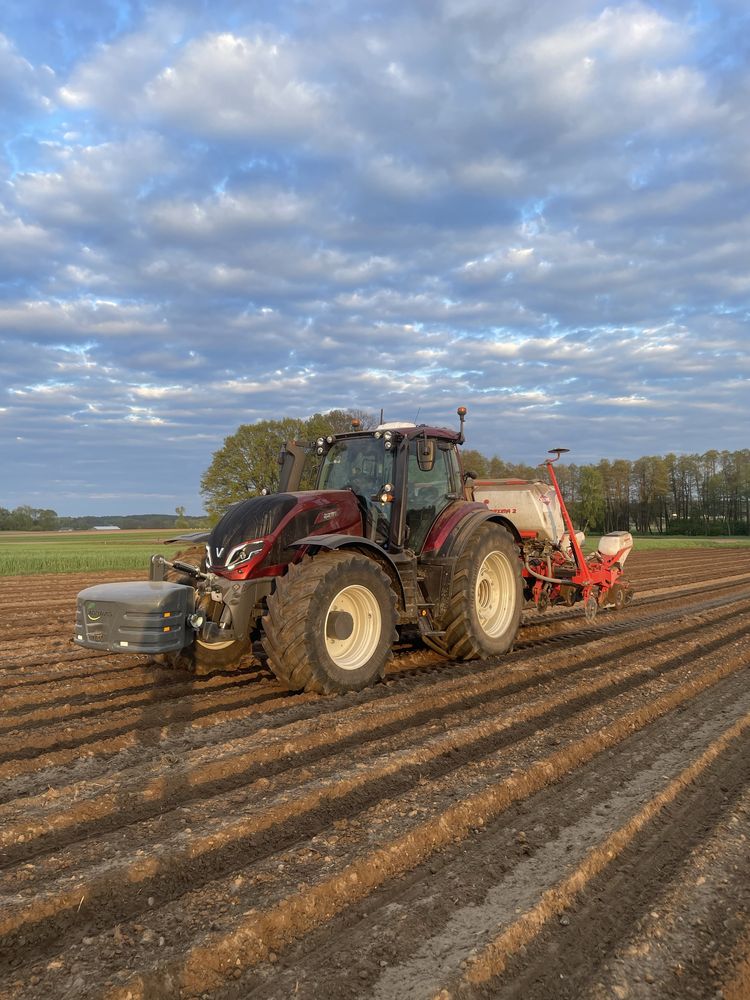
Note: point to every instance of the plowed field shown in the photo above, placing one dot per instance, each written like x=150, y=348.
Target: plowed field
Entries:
x=569, y=821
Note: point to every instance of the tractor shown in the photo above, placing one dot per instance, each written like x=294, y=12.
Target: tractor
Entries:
x=394, y=537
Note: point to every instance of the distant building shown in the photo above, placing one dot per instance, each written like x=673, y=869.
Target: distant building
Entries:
x=106, y=527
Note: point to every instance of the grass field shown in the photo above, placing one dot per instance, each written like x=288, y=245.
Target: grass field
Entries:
x=22, y=553
x=655, y=542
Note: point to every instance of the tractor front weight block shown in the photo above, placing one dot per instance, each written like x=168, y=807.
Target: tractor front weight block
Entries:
x=139, y=617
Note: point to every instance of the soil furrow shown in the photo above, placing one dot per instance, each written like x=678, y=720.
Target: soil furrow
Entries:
x=308, y=707
x=696, y=921
x=207, y=966
x=170, y=836
x=164, y=686
x=459, y=819
x=687, y=804
x=99, y=805
x=76, y=691
x=415, y=934
x=205, y=854
x=29, y=757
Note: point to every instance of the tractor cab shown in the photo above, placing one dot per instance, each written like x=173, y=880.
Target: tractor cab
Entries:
x=403, y=476
x=361, y=463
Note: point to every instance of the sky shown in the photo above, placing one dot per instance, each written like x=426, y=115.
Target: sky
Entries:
x=218, y=213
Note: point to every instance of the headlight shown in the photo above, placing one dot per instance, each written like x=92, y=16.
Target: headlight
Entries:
x=244, y=552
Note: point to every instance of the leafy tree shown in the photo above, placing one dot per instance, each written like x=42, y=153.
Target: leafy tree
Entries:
x=248, y=461
x=25, y=518
x=591, y=506
x=336, y=422
x=650, y=488
x=474, y=461
x=616, y=485
x=568, y=480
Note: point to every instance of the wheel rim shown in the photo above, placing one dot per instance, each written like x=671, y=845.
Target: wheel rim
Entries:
x=355, y=650
x=215, y=645
x=494, y=594
x=215, y=613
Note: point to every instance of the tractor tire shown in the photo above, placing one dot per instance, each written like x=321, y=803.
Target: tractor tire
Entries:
x=331, y=623
x=484, y=610
x=202, y=657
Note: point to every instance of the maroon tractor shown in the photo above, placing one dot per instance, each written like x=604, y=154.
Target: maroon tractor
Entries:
x=325, y=579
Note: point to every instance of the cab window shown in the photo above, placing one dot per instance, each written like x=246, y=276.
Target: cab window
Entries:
x=429, y=492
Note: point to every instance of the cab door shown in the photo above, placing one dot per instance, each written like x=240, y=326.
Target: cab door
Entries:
x=433, y=482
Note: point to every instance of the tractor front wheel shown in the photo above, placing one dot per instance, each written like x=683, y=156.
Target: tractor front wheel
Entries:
x=484, y=610
x=202, y=657
x=331, y=623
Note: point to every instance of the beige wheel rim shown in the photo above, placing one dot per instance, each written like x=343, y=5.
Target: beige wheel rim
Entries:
x=214, y=645
x=222, y=643
x=495, y=594
x=357, y=648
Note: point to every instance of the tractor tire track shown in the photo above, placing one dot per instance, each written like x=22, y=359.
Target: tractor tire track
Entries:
x=169, y=836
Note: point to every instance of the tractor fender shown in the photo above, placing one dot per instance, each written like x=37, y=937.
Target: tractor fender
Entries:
x=457, y=540
x=439, y=566
x=337, y=541
x=194, y=537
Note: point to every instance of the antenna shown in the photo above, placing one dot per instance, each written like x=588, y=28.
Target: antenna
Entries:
x=417, y=414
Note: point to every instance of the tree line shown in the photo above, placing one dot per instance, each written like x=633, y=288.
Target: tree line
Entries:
x=25, y=518
x=705, y=494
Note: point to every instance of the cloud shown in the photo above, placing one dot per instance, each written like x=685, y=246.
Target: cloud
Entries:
x=223, y=214
x=113, y=75
x=91, y=185
x=238, y=86
x=24, y=88
x=215, y=215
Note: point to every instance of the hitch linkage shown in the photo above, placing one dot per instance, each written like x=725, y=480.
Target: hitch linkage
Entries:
x=159, y=564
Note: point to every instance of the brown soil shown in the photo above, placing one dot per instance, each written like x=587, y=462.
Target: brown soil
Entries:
x=570, y=820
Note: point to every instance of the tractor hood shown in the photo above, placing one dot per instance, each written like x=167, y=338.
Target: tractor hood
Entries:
x=254, y=537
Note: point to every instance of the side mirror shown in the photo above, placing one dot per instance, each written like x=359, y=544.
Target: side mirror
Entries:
x=425, y=454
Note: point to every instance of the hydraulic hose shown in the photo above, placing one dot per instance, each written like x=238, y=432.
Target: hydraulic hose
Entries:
x=546, y=579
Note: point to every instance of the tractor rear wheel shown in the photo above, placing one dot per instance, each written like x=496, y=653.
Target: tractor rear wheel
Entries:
x=484, y=610
x=331, y=623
